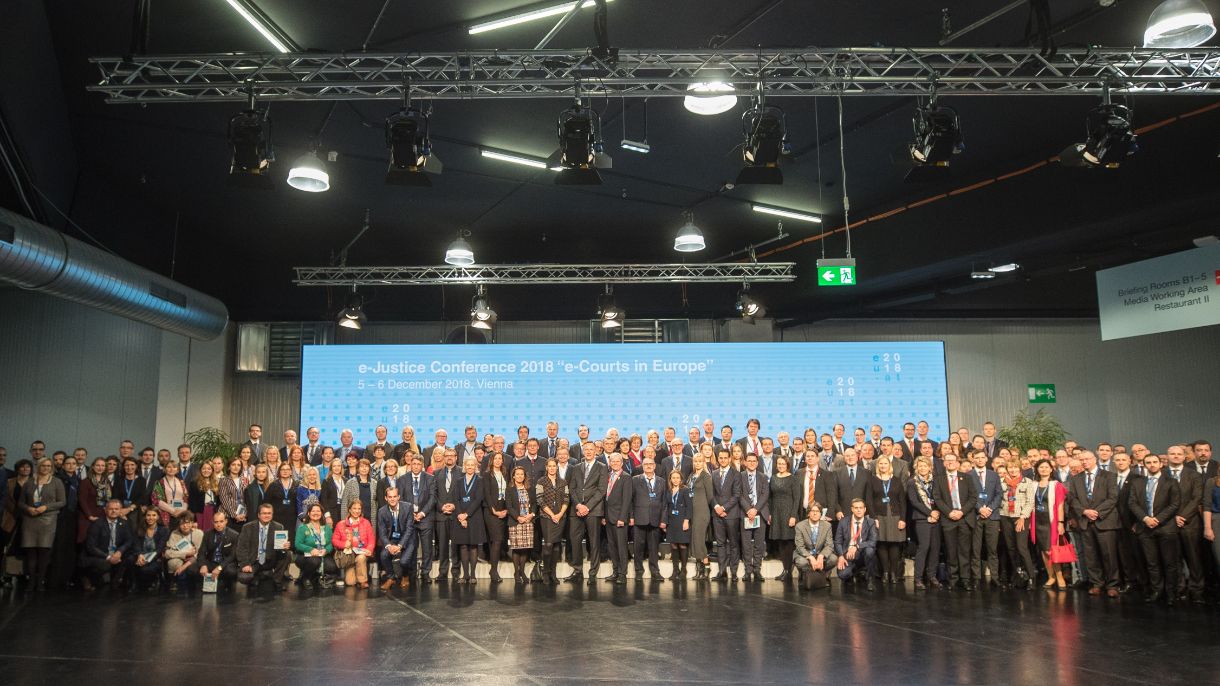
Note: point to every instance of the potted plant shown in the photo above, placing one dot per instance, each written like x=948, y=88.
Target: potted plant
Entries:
x=1039, y=430
x=209, y=442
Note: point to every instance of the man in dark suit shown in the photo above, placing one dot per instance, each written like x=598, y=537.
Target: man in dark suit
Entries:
x=986, y=535
x=676, y=458
x=395, y=531
x=150, y=473
x=346, y=447
x=1203, y=462
x=755, y=506
x=618, y=514
x=447, y=480
x=906, y=447
x=548, y=446
x=647, y=495
x=107, y=544
x=533, y=463
x=751, y=442
x=381, y=432
x=587, y=486
x=991, y=444
x=1188, y=520
x=258, y=557
x=256, y=445
x=726, y=438
x=417, y=490
x=440, y=442
x=838, y=445
x=856, y=545
x=1062, y=471
x=1206, y=467
x=816, y=485
x=726, y=515
x=1130, y=557
x=1154, y=502
x=218, y=553
x=851, y=482
x=921, y=437
x=313, y=447
x=1092, y=497
x=957, y=501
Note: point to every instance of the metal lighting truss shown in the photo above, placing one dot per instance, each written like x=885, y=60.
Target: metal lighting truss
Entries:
x=477, y=74
x=753, y=272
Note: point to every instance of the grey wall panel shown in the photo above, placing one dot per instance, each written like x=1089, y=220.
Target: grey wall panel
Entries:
x=74, y=376
x=274, y=402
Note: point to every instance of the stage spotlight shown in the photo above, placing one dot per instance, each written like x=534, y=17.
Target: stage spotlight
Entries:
x=309, y=174
x=250, y=138
x=352, y=316
x=689, y=238
x=766, y=139
x=581, y=152
x=747, y=306
x=1110, y=139
x=459, y=253
x=938, y=136
x=1179, y=24
x=976, y=274
x=610, y=314
x=406, y=135
x=1005, y=268
x=481, y=314
x=712, y=96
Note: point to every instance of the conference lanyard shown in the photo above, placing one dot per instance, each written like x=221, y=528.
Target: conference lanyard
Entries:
x=1040, y=496
x=262, y=492
x=127, y=486
x=317, y=538
x=673, y=499
x=523, y=497
x=885, y=487
x=468, y=486
x=652, y=492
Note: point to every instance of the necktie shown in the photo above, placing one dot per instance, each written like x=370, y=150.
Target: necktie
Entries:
x=982, y=479
x=113, y=542
x=855, y=531
x=957, y=505
x=851, y=475
x=1175, y=475
x=448, y=480
x=1148, y=493
x=146, y=469
x=809, y=491
x=1122, y=479
x=753, y=491
x=262, y=544
x=610, y=484
x=1088, y=485
x=552, y=448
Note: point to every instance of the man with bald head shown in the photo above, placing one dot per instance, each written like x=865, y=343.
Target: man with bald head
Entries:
x=1188, y=520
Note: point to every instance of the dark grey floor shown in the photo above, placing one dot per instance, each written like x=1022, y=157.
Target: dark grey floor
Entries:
x=690, y=633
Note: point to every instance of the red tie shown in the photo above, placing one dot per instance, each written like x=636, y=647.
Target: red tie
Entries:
x=855, y=531
x=610, y=485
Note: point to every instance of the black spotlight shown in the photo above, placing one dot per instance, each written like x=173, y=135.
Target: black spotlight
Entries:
x=352, y=316
x=581, y=152
x=749, y=308
x=250, y=138
x=1110, y=139
x=406, y=135
x=766, y=140
x=938, y=136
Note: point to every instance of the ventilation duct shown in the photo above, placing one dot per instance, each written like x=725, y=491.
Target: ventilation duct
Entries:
x=38, y=258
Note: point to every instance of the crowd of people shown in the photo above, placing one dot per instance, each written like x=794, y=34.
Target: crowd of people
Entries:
x=971, y=511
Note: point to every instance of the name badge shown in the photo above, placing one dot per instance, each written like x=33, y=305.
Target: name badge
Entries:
x=652, y=495
x=674, y=513
x=465, y=498
x=37, y=503
x=415, y=508
x=126, y=503
x=286, y=502
x=177, y=504
x=394, y=536
x=886, y=499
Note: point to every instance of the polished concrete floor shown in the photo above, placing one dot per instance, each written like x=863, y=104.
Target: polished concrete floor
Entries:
x=643, y=632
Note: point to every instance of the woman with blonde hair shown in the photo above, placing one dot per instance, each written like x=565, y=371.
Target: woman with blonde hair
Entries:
x=699, y=486
x=309, y=491
x=42, y=497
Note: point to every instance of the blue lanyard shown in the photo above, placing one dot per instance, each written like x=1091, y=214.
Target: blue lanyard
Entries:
x=886, y=486
x=1040, y=495
x=262, y=493
x=127, y=485
x=673, y=498
x=469, y=484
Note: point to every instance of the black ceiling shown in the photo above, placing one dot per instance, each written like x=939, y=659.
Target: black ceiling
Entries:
x=143, y=171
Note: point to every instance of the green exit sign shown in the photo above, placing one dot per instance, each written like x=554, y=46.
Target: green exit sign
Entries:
x=1041, y=393
x=837, y=272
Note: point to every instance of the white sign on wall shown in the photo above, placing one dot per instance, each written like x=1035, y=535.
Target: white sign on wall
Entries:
x=1178, y=291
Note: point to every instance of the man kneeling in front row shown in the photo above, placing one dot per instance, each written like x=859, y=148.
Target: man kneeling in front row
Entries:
x=856, y=545
x=261, y=556
x=815, y=556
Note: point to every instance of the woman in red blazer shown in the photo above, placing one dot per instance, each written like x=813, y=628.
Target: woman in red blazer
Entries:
x=354, y=542
x=1048, y=526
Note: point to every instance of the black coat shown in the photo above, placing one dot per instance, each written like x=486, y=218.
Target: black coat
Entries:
x=618, y=501
x=645, y=510
x=97, y=539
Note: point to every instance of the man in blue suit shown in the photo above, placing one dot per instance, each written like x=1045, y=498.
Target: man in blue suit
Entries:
x=396, y=538
x=987, y=528
x=417, y=491
x=856, y=545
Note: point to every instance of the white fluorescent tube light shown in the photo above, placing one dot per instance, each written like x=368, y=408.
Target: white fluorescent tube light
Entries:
x=253, y=21
x=515, y=19
x=1005, y=268
x=515, y=159
x=787, y=213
